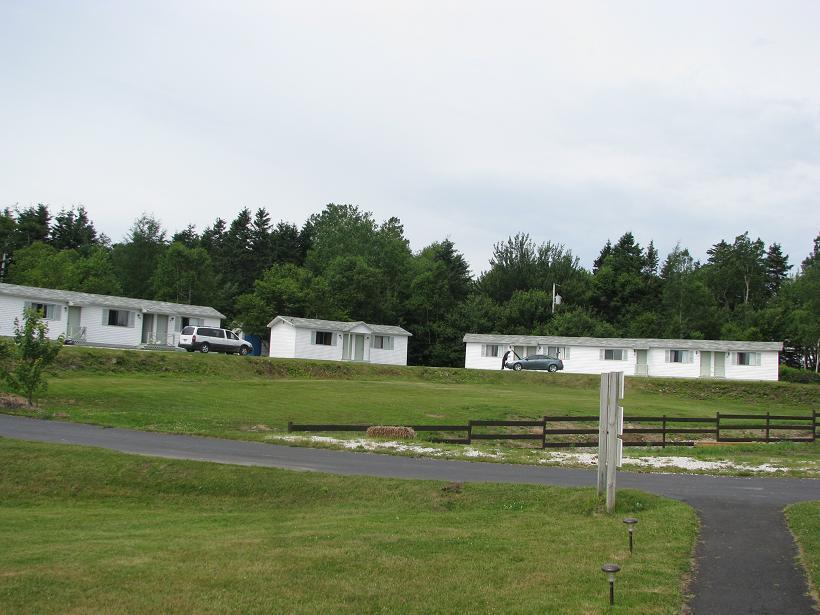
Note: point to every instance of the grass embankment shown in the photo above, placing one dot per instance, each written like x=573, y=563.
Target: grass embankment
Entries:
x=252, y=398
x=804, y=521
x=85, y=530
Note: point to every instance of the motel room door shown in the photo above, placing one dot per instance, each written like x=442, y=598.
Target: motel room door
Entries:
x=358, y=347
x=720, y=365
x=705, y=364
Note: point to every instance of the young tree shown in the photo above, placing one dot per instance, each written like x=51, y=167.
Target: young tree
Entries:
x=32, y=353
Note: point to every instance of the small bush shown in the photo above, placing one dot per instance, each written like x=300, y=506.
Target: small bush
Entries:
x=386, y=431
x=801, y=376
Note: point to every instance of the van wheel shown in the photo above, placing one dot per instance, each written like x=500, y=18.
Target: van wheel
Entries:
x=205, y=348
x=518, y=367
x=243, y=351
x=552, y=368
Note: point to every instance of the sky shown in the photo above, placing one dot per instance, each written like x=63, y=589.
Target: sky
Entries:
x=574, y=122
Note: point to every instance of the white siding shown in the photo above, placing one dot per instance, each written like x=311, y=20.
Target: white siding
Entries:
x=306, y=349
x=397, y=356
x=282, y=341
x=97, y=333
x=587, y=360
x=658, y=366
x=767, y=370
x=13, y=307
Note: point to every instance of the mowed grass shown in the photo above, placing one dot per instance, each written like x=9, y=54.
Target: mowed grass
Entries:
x=804, y=521
x=250, y=398
x=85, y=530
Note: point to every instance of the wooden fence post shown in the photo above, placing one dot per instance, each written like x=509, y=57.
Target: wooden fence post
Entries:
x=813, y=425
x=290, y=426
x=663, y=432
x=470, y=431
x=768, y=424
x=717, y=426
x=544, y=433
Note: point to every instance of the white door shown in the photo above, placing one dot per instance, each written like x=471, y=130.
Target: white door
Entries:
x=74, y=330
x=147, y=328
x=705, y=364
x=346, y=351
x=161, y=336
x=358, y=353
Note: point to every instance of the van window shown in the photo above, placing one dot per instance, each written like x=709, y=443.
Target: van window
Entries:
x=188, y=331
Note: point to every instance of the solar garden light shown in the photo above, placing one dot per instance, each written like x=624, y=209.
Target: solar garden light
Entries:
x=630, y=524
x=610, y=570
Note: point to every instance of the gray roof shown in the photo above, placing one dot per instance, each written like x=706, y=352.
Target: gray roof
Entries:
x=620, y=342
x=75, y=298
x=337, y=325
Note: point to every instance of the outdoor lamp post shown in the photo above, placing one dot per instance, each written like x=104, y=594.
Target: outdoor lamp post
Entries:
x=610, y=570
x=630, y=524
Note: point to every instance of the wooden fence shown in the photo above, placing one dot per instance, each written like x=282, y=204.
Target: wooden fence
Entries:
x=561, y=431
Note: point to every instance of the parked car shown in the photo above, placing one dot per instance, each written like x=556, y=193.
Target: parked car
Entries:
x=207, y=339
x=536, y=361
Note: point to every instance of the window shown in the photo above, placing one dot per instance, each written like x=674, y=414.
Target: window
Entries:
x=491, y=350
x=118, y=318
x=188, y=331
x=558, y=352
x=748, y=358
x=49, y=311
x=194, y=322
x=384, y=342
x=323, y=338
x=613, y=354
x=232, y=335
x=679, y=356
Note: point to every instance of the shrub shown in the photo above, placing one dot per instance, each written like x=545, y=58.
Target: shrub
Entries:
x=802, y=376
x=386, y=431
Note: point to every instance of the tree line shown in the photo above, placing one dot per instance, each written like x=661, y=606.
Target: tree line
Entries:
x=342, y=264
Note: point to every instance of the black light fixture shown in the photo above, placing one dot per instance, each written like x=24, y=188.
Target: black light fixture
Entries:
x=630, y=524
x=610, y=570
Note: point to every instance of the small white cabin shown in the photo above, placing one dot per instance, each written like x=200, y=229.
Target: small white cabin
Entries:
x=734, y=360
x=103, y=320
x=333, y=340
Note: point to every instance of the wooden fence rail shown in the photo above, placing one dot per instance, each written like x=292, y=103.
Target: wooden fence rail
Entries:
x=766, y=425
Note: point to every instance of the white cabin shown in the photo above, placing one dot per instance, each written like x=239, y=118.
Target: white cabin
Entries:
x=103, y=320
x=733, y=360
x=333, y=340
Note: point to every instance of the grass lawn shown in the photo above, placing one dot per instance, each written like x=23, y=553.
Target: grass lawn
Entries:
x=85, y=530
x=252, y=398
x=804, y=521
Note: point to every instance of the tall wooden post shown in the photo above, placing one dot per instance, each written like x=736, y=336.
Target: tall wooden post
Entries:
x=602, y=420
x=612, y=443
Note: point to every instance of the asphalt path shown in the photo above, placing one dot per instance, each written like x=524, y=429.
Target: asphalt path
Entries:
x=745, y=556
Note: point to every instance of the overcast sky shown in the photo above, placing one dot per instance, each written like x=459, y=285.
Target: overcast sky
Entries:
x=572, y=121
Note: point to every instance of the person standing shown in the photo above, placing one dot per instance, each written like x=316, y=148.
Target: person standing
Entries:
x=504, y=360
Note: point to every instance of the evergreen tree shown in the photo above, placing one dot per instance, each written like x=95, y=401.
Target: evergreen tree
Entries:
x=777, y=269
x=73, y=230
x=136, y=258
x=33, y=224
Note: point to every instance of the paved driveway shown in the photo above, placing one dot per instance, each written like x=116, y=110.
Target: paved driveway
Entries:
x=745, y=554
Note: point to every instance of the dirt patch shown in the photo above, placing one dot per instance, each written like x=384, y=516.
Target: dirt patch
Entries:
x=9, y=400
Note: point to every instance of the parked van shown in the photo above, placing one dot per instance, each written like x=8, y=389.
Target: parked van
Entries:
x=207, y=339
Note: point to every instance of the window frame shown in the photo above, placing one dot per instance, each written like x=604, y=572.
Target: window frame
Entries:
x=623, y=356
x=325, y=335
x=116, y=314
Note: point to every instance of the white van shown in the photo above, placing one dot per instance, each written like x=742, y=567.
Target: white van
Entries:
x=207, y=339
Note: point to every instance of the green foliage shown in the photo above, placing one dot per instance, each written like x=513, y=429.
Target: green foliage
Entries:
x=802, y=376
x=42, y=265
x=32, y=353
x=184, y=275
x=136, y=258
